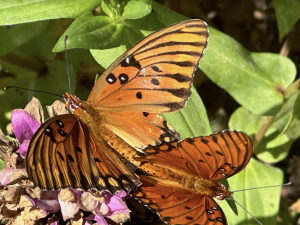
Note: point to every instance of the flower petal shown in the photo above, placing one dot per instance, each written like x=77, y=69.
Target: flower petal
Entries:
x=24, y=125
x=68, y=209
x=23, y=148
x=11, y=176
x=99, y=219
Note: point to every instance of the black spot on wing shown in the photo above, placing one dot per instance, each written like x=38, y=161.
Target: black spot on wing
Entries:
x=156, y=69
x=207, y=153
x=123, y=78
x=71, y=158
x=139, y=95
x=111, y=79
x=61, y=156
x=62, y=133
x=49, y=132
x=59, y=123
x=130, y=61
x=154, y=81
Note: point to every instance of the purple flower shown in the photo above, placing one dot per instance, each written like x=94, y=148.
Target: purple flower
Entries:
x=34, y=204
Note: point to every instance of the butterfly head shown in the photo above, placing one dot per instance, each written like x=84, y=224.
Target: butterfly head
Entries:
x=72, y=102
x=223, y=192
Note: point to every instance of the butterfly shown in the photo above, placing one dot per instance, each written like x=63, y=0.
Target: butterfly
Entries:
x=154, y=76
x=184, y=176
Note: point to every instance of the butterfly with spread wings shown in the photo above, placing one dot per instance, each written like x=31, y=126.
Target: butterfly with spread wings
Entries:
x=184, y=176
x=154, y=76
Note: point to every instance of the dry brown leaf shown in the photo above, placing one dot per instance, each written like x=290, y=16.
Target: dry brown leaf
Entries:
x=14, y=193
x=57, y=108
x=296, y=206
x=35, y=109
x=66, y=195
x=34, y=192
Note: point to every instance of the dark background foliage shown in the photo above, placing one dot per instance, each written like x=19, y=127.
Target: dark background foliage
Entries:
x=240, y=88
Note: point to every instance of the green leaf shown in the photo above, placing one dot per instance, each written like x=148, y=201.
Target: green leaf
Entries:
x=100, y=32
x=166, y=15
x=275, y=144
x=136, y=10
x=14, y=12
x=262, y=203
x=10, y=35
x=192, y=120
x=106, y=57
x=255, y=80
x=287, y=14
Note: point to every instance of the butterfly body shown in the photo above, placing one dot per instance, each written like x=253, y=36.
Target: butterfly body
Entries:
x=154, y=76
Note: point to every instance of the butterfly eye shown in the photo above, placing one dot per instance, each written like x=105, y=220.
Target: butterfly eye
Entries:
x=145, y=114
x=111, y=79
x=123, y=78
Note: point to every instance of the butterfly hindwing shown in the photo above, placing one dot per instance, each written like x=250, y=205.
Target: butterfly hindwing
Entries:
x=214, y=157
x=156, y=74
x=177, y=205
x=217, y=156
x=140, y=129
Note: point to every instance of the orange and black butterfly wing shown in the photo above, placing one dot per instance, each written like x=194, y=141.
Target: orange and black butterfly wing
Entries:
x=214, y=157
x=60, y=155
x=177, y=205
x=153, y=77
x=217, y=156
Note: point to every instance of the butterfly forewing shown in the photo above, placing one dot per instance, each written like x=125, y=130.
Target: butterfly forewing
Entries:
x=61, y=155
x=156, y=74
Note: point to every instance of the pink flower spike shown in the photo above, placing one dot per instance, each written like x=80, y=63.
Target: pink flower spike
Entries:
x=24, y=148
x=24, y=125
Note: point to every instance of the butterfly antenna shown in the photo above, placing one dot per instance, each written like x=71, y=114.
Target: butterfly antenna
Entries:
x=230, y=198
x=68, y=71
x=280, y=185
x=9, y=87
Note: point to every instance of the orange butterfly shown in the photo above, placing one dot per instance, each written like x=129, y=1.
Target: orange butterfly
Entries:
x=185, y=176
x=154, y=76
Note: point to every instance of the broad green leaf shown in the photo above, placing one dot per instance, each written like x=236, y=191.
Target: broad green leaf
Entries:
x=166, y=15
x=255, y=80
x=192, y=120
x=136, y=10
x=296, y=109
x=261, y=203
x=14, y=11
x=105, y=5
x=278, y=139
x=101, y=32
x=287, y=14
x=1, y=164
x=11, y=39
x=106, y=57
